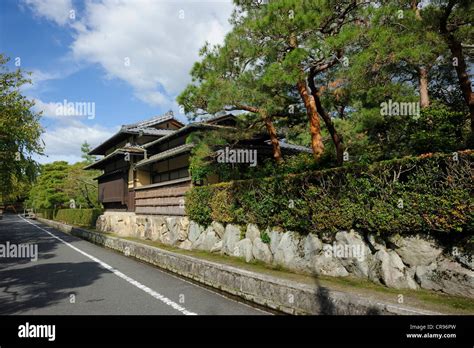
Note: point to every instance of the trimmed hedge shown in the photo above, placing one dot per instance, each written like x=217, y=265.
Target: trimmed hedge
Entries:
x=78, y=217
x=430, y=193
x=49, y=214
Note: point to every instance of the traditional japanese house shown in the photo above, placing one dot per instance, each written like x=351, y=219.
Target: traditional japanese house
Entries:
x=146, y=164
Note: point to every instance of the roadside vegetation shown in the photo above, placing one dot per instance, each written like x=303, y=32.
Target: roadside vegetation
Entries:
x=66, y=192
x=379, y=91
x=411, y=195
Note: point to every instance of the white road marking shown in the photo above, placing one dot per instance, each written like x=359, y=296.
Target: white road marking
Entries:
x=119, y=274
x=208, y=290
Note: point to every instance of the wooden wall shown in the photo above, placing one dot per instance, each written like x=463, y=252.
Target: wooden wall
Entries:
x=168, y=200
x=112, y=190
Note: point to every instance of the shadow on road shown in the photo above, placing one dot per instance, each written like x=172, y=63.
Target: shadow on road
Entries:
x=27, y=285
x=40, y=286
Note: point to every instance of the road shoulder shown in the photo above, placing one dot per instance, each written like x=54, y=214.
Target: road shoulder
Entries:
x=276, y=289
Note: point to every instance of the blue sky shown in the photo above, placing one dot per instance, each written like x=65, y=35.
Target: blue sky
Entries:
x=126, y=59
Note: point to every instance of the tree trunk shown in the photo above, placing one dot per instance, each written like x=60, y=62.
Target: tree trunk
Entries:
x=336, y=138
x=459, y=62
x=414, y=7
x=310, y=105
x=424, y=96
x=314, y=125
x=422, y=71
x=270, y=129
x=463, y=77
x=273, y=138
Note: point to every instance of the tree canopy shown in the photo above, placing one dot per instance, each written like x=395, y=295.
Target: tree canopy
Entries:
x=20, y=132
x=60, y=182
x=342, y=63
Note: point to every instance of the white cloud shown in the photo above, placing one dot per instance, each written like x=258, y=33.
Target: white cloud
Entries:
x=65, y=109
x=57, y=11
x=159, y=39
x=150, y=44
x=47, y=109
x=64, y=68
x=64, y=141
x=39, y=76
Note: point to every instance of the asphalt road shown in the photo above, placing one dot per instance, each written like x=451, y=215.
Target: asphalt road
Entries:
x=72, y=276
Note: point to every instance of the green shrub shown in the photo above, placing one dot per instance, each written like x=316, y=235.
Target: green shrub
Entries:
x=198, y=205
x=265, y=237
x=431, y=193
x=78, y=217
x=49, y=214
x=221, y=205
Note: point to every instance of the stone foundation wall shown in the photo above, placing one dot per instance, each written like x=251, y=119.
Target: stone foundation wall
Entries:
x=400, y=262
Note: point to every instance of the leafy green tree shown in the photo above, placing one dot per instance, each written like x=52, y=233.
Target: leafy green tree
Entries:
x=395, y=48
x=301, y=42
x=454, y=19
x=49, y=190
x=402, y=56
x=269, y=63
x=20, y=133
x=60, y=182
x=229, y=78
x=79, y=184
x=85, y=149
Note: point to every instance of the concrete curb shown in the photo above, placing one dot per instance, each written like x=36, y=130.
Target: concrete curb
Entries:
x=276, y=293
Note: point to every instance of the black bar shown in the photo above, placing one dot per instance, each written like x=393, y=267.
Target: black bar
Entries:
x=348, y=331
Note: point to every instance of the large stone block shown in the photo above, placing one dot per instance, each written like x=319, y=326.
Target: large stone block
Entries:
x=446, y=276
x=177, y=229
x=218, y=229
x=312, y=246
x=326, y=264
x=206, y=240
x=275, y=237
x=195, y=231
x=252, y=232
x=415, y=250
x=289, y=252
x=158, y=227
x=217, y=247
x=243, y=248
x=230, y=239
x=388, y=267
x=186, y=245
x=355, y=253
x=261, y=251
x=183, y=228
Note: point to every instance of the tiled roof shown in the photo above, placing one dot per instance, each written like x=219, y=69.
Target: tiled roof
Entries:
x=149, y=131
x=298, y=148
x=121, y=151
x=144, y=127
x=150, y=122
x=187, y=128
x=218, y=117
x=165, y=154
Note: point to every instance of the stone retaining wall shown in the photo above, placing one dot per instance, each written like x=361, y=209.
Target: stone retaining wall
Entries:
x=400, y=262
x=272, y=292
